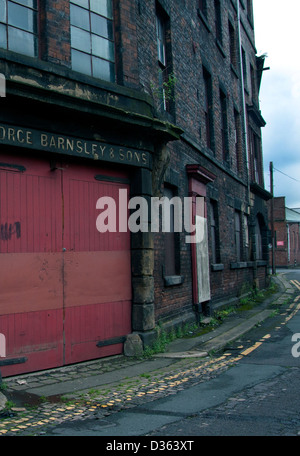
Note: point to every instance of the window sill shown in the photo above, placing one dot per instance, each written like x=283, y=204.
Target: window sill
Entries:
x=171, y=281
x=220, y=47
x=204, y=20
x=217, y=267
x=234, y=71
x=239, y=265
x=261, y=263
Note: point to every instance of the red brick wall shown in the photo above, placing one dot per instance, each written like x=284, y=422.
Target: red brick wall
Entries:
x=191, y=45
x=55, y=43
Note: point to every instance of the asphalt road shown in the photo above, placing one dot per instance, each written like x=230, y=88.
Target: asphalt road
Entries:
x=257, y=396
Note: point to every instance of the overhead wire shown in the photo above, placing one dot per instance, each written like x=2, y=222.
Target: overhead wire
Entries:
x=286, y=175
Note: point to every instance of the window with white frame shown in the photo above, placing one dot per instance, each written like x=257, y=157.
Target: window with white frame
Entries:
x=19, y=26
x=92, y=38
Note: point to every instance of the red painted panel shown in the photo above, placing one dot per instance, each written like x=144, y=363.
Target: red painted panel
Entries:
x=94, y=277
x=80, y=295
x=34, y=335
x=81, y=193
x=87, y=325
x=97, y=269
x=32, y=200
x=30, y=282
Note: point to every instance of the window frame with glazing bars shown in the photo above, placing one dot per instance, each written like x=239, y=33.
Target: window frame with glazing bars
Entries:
x=162, y=56
x=14, y=23
x=95, y=50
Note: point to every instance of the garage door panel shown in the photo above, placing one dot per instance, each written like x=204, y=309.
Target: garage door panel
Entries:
x=95, y=277
x=86, y=326
x=97, y=269
x=64, y=285
x=30, y=282
x=30, y=209
x=80, y=214
x=35, y=338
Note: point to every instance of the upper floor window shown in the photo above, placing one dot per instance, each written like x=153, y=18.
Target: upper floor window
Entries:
x=208, y=109
x=92, y=38
x=232, y=45
x=203, y=7
x=218, y=21
x=255, y=157
x=164, y=64
x=250, y=10
x=237, y=140
x=18, y=26
x=245, y=72
x=224, y=126
x=253, y=84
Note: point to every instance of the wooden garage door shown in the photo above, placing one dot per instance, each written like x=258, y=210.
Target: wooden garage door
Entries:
x=64, y=286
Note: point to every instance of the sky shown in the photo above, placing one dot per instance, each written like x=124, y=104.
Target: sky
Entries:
x=277, y=34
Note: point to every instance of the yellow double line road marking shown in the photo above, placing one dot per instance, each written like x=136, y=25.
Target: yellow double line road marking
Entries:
x=296, y=283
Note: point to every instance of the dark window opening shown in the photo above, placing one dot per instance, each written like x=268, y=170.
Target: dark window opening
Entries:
x=233, y=46
x=214, y=233
x=218, y=21
x=224, y=126
x=238, y=235
x=208, y=108
x=171, y=241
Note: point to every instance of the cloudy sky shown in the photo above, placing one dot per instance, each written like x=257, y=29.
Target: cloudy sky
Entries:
x=277, y=34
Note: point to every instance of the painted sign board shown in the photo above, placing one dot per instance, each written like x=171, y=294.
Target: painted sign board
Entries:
x=69, y=145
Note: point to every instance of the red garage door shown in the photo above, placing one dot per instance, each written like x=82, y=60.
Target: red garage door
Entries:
x=64, y=286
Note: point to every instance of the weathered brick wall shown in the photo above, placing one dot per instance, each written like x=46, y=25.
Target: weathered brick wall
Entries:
x=191, y=45
x=55, y=45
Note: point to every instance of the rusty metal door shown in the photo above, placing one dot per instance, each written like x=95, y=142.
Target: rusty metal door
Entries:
x=64, y=286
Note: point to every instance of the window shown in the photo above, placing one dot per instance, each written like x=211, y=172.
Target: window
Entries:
x=238, y=235
x=18, y=26
x=253, y=84
x=255, y=154
x=224, y=127
x=237, y=139
x=258, y=240
x=208, y=108
x=247, y=238
x=218, y=21
x=92, y=38
x=214, y=232
x=245, y=73
x=162, y=29
x=250, y=10
x=171, y=239
x=203, y=7
x=233, y=46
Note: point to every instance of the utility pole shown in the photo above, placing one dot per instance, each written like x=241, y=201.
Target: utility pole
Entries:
x=272, y=218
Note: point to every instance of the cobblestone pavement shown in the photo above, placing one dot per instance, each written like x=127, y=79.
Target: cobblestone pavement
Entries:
x=103, y=402
x=36, y=418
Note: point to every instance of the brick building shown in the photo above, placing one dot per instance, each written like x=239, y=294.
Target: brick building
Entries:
x=121, y=99
x=286, y=234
